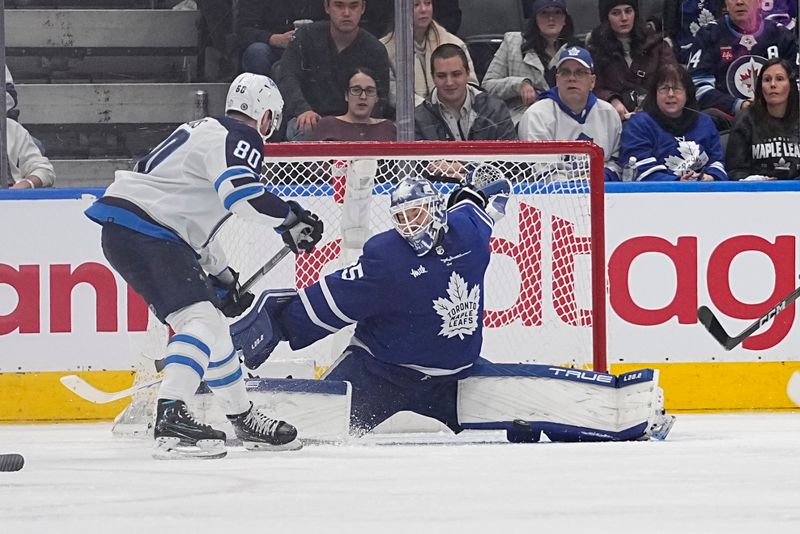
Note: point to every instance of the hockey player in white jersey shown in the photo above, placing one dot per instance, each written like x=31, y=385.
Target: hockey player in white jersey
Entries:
x=158, y=222
x=417, y=297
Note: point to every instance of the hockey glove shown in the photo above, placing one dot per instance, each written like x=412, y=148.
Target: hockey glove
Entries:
x=257, y=334
x=230, y=301
x=466, y=192
x=301, y=229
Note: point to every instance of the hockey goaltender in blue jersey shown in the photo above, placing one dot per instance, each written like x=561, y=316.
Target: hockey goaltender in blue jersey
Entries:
x=423, y=312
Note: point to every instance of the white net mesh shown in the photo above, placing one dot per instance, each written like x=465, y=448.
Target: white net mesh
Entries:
x=538, y=287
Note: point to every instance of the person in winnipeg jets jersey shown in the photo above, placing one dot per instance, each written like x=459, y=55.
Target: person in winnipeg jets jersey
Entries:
x=728, y=55
x=158, y=223
x=417, y=297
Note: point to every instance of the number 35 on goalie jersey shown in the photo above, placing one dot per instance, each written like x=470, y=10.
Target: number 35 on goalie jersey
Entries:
x=201, y=172
x=421, y=311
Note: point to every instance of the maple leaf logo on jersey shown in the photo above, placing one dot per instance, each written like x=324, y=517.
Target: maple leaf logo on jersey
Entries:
x=459, y=312
x=691, y=158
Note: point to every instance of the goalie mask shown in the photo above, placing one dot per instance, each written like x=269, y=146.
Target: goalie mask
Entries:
x=418, y=213
x=253, y=95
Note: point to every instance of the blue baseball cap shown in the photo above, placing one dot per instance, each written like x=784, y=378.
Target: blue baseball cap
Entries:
x=581, y=55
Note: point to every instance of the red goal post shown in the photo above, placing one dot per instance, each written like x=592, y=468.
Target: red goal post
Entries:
x=545, y=289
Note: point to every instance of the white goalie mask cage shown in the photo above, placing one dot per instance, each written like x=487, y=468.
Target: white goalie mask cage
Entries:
x=418, y=213
x=253, y=95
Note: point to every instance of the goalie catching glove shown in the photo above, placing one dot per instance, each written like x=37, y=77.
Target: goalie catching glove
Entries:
x=301, y=229
x=230, y=299
x=487, y=187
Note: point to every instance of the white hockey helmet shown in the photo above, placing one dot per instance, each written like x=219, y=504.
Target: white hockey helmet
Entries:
x=418, y=213
x=254, y=95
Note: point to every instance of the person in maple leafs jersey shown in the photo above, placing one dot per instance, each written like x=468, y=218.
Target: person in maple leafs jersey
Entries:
x=416, y=297
x=669, y=139
x=728, y=55
x=418, y=308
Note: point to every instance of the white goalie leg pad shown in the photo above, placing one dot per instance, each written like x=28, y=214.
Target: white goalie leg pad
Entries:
x=566, y=404
x=319, y=409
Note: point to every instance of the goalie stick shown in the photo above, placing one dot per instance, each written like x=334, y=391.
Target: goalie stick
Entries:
x=712, y=324
x=11, y=462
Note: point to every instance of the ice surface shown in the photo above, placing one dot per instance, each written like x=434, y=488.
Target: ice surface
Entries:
x=715, y=473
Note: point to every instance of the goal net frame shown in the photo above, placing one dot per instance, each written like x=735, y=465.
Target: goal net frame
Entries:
x=484, y=151
x=325, y=174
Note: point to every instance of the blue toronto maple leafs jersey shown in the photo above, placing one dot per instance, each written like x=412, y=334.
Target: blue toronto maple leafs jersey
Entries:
x=724, y=62
x=423, y=312
x=661, y=156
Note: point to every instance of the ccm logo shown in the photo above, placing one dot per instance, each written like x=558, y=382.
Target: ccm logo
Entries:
x=588, y=376
x=257, y=342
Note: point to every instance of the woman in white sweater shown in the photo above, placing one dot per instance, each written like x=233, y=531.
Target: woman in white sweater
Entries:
x=524, y=65
x=29, y=168
x=428, y=35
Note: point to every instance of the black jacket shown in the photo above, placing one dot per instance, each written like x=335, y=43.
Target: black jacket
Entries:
x=257, y=20
x=312, y=75
x=492, y=123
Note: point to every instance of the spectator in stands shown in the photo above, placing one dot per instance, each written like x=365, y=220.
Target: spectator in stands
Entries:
x=357, y=124
x=428, y=35
x=727, y=56
x=765, y=143
x=669, y=140
x=570, y=111
x=682, y=19
x=379, y=16
x=525, y=63
x=11, y=97
x=312, y=75
x=456, y=111
x=783, y=12
x=264, y=29
x=625, y=52
x=29, y=168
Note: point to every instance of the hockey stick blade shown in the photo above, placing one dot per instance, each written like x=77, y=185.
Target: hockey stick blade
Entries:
x=712, y=324
x=11, y=462
x=267, y=267
x=86, y=391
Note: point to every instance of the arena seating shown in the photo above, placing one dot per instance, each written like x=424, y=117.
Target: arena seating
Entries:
x=102, y=86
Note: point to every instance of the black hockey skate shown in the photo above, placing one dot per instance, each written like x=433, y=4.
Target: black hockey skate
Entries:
x=259, y=432
x=179, y=435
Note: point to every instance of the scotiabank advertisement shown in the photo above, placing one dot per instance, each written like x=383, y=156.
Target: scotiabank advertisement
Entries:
x=668, y=249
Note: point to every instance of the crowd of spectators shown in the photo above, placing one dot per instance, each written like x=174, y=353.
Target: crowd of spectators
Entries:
x=660, y=95
x=663, y=96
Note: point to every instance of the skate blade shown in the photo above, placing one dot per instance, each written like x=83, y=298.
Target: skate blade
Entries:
x=170, y=448
x=259, y=446
x=660, y=433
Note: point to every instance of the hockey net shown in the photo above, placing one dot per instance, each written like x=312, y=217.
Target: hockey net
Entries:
x=545, y=286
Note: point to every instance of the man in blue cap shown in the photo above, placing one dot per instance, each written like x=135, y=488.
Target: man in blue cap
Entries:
x=571, y=111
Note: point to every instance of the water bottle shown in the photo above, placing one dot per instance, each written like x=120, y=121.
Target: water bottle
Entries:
x=200, y=104
x=629, y=172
